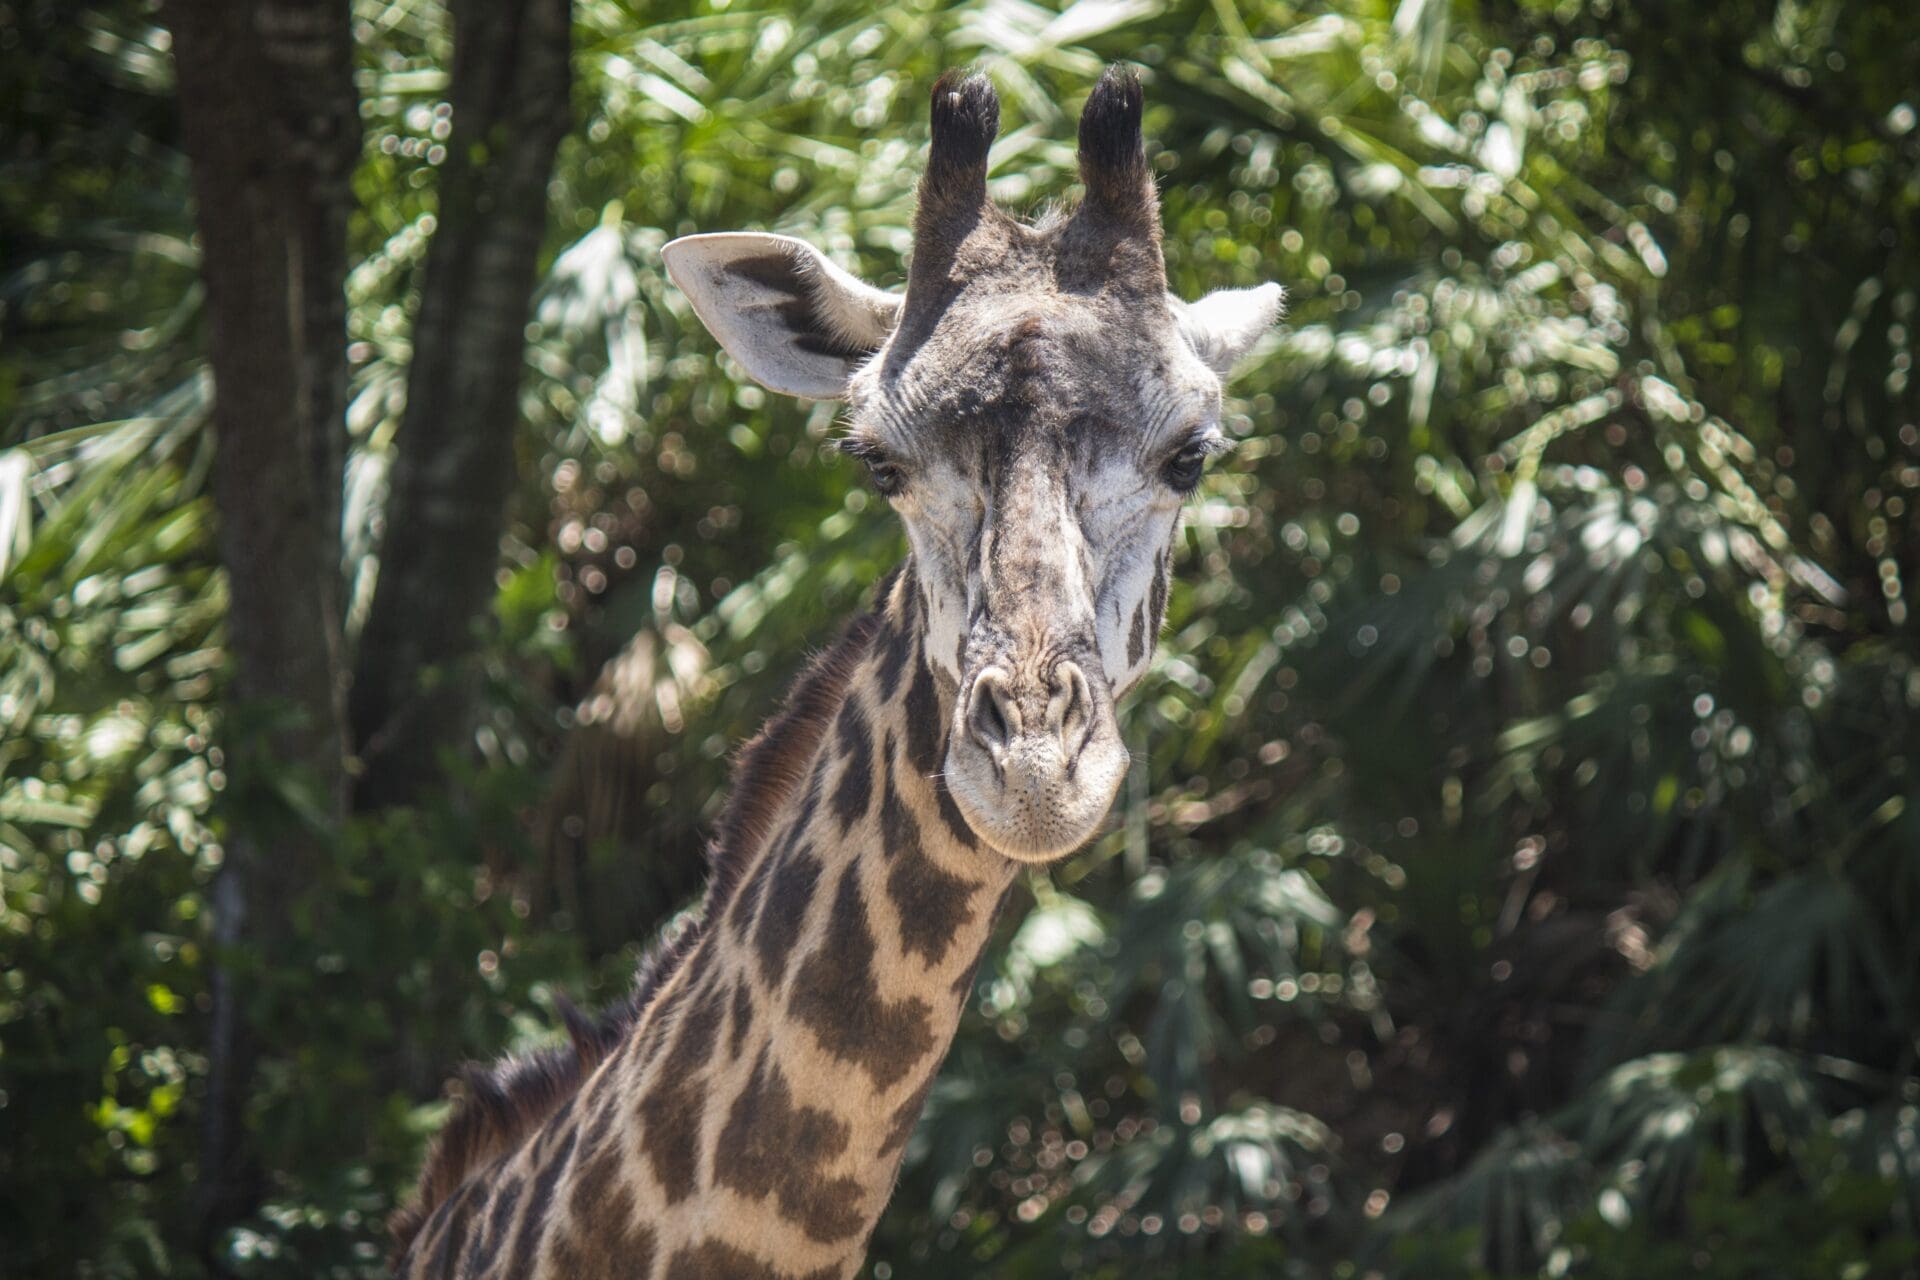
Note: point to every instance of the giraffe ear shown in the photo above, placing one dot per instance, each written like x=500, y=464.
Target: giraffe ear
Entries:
x=796, y=323
x=1224, y=325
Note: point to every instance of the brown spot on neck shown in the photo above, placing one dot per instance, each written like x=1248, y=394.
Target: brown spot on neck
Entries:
x=670, y=1110
x=931, y=904
x=854, y=796
x=837, y=995
x=773, y=1147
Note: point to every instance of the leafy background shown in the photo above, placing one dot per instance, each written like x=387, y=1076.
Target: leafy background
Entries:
x=1518, y=875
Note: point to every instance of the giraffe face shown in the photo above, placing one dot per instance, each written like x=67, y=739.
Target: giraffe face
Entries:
x=1036, y=409
x=1038, y=446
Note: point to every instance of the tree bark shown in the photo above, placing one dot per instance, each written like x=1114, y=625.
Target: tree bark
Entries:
x=270, y=122
x=271, y=127
x=412, y=688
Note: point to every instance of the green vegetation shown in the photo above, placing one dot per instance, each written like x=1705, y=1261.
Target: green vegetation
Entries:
x=1518, y=875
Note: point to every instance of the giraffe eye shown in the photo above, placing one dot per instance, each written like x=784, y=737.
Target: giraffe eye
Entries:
x=1182, y=471
x=1183, y=468
x=887, y=478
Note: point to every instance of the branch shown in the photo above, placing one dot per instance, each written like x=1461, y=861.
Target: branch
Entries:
x=455, y=466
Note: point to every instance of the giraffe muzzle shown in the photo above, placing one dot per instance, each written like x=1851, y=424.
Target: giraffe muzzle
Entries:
x=1035, y=758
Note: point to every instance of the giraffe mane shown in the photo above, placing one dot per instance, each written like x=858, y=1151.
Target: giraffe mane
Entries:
x=505, y=1102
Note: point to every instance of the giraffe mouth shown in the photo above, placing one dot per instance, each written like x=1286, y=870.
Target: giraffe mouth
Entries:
x=1034, y=763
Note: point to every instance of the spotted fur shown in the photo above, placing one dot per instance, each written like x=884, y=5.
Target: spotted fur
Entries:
x=503, y=1103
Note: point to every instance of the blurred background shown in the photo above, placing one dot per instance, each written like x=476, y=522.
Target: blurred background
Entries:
x=1520, y=870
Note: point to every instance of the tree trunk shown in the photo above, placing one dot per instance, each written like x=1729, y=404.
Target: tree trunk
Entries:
x=455, y=468
x=270, y=122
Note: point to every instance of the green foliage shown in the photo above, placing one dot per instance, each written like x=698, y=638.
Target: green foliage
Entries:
x=1778, y=1229
x=109, y=644
x=413, y=953
x=1516, y=872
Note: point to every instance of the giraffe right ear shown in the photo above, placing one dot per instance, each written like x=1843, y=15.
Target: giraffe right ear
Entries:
x=796, y=323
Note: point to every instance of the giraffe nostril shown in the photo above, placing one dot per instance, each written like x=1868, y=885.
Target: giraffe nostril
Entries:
x=991, y=724
x=992, y=716
x=1070, y=709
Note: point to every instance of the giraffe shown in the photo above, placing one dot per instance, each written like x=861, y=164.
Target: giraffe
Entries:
x=1035, y=408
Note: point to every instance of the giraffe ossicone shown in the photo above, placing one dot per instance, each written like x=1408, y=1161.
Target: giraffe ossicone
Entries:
x=1036, y=407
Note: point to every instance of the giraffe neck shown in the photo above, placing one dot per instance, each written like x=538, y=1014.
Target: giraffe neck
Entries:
x=752, y=1122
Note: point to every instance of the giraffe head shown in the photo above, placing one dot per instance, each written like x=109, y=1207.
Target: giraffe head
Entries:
x=1036, y=407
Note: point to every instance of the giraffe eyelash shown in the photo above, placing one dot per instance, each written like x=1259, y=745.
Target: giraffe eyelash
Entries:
x=865, y=448
x=1211, y=444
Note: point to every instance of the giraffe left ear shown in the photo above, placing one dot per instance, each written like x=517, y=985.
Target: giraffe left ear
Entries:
x=1224, y=325
x=796, y=323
